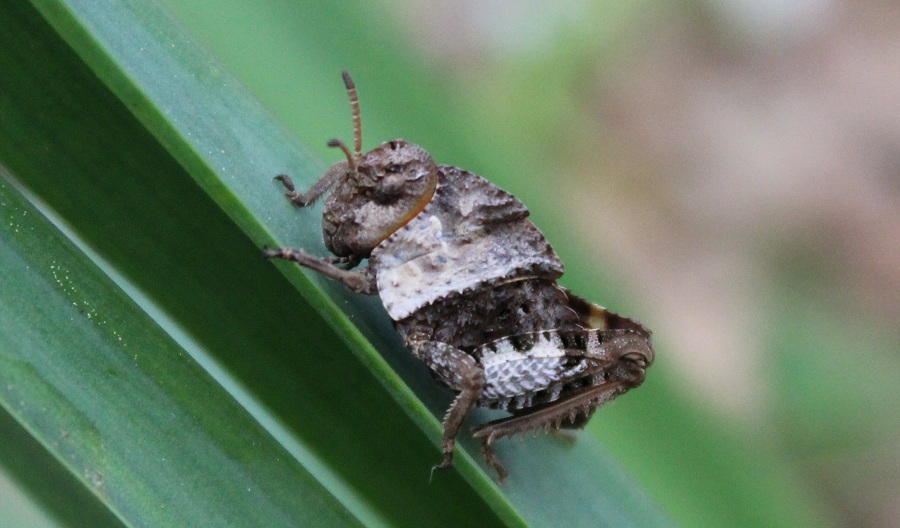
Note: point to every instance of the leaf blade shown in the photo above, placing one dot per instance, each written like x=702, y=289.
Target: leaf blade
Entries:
x=224, y=174
x=175, y=442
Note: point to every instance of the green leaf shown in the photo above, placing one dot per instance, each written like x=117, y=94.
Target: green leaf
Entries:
x=36, y=489
x=201, y=386
x=122, y=406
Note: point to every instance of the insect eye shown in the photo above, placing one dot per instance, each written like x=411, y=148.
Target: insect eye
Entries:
x=393, y=168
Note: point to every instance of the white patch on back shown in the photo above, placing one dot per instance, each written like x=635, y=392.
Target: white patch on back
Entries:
x=418, y=264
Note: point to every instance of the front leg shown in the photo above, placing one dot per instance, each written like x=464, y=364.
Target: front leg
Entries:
x=461, y=373
x=317, y=190
x=360, y=281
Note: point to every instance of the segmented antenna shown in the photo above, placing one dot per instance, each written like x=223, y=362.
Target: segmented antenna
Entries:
x=354, y=106
x=337, y=143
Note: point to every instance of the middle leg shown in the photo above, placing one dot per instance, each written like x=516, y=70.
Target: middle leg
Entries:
x=360, y=281
x=461, y=373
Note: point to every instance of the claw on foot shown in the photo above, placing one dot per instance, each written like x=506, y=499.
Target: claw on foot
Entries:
x=447, y=463
x=286, y=181
x=269, y=253
x=491, y=458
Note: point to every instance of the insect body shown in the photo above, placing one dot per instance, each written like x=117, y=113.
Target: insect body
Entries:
x=470, y=284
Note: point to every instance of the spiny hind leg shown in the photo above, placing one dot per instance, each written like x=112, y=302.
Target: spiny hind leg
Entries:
x=488, y=436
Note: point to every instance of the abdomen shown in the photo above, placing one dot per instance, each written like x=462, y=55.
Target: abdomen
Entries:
x=471, y=319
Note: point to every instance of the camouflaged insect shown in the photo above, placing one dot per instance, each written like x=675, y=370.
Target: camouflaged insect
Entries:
x=471, y=287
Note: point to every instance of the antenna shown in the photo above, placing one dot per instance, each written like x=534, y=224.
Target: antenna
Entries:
x=354, y=107
x=337, y=143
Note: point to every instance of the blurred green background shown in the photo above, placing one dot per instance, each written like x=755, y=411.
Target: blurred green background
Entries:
x=725, y=172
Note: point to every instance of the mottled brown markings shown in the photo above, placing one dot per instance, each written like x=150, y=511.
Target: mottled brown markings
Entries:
x=471, y=286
